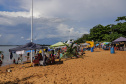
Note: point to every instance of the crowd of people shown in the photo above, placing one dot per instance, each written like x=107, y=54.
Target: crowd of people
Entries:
x=38, y=59
x=44, y=60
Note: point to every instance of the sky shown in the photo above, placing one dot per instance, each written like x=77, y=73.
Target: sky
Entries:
x=54, y=20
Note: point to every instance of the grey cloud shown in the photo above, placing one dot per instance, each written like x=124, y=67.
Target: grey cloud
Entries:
x=53, y=19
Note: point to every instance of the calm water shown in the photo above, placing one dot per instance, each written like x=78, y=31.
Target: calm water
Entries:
x=6, y=53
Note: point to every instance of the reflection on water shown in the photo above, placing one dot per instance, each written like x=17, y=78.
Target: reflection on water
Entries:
x=6, y=53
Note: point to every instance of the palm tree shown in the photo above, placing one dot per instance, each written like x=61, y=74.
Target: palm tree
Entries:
x=71, y=51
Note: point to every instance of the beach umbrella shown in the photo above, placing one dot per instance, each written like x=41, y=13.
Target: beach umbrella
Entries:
x=58, y=44
x=106, y=43
x=97, y=44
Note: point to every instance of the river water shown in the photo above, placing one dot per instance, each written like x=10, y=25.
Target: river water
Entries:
x=6, y=53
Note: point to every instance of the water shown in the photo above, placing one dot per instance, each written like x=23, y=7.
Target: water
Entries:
x=6, y=53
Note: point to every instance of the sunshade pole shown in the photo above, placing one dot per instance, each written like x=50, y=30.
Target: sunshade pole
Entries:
x=31, y=27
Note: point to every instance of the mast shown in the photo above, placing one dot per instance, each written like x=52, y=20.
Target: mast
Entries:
x=32, y=22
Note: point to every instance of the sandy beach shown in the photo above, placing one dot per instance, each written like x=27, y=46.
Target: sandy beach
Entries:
x=98, y=67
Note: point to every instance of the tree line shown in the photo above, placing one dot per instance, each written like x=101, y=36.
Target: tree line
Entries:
x=105, y=33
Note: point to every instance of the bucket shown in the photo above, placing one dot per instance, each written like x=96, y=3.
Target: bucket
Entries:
x=91, y=49
x=112, y=50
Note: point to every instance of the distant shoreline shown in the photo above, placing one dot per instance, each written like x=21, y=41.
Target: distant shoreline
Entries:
x=20, y=45
x=10, y=45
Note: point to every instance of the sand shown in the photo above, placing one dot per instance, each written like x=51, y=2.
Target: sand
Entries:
x=98, y=67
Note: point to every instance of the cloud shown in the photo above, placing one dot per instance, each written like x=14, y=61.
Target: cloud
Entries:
x=53, y=19
x=22, y=37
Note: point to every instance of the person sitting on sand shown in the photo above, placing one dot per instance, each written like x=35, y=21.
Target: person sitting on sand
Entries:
x=14, y=61
x=36, y=60
x=52, y=57
x=21, y=58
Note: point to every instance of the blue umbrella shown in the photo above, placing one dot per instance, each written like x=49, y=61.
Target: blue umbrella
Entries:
x=97, y=44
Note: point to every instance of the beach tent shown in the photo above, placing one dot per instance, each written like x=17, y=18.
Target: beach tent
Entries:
x=58, y=44
x=120, y=39
x=27, y=46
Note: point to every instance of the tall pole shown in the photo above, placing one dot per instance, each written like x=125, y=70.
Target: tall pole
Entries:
x=32, y=22
x=31, y=26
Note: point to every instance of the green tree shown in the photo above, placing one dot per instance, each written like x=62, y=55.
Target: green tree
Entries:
x=106, y=33
x=112, y=36
x=98, y=32
x=71, y=51
x=83, y=39
x=121, y=27
x=121, y=18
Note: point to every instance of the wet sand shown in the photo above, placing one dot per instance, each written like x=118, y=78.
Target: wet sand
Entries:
x=98, y=67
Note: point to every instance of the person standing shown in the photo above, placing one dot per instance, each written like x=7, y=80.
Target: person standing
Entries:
x=21, y=58
x=11, y=55
x=2, y=56
x=28, y=54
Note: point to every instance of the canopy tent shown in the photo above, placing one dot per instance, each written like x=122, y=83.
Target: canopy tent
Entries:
x=58, y=44
x=120, y=39
x=27, y=46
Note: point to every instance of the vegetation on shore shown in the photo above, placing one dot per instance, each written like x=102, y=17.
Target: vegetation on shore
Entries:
x=106, y=33
x=1, y=52
x=71, y=51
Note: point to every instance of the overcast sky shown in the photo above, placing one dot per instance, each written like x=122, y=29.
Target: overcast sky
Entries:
x=54, y=20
